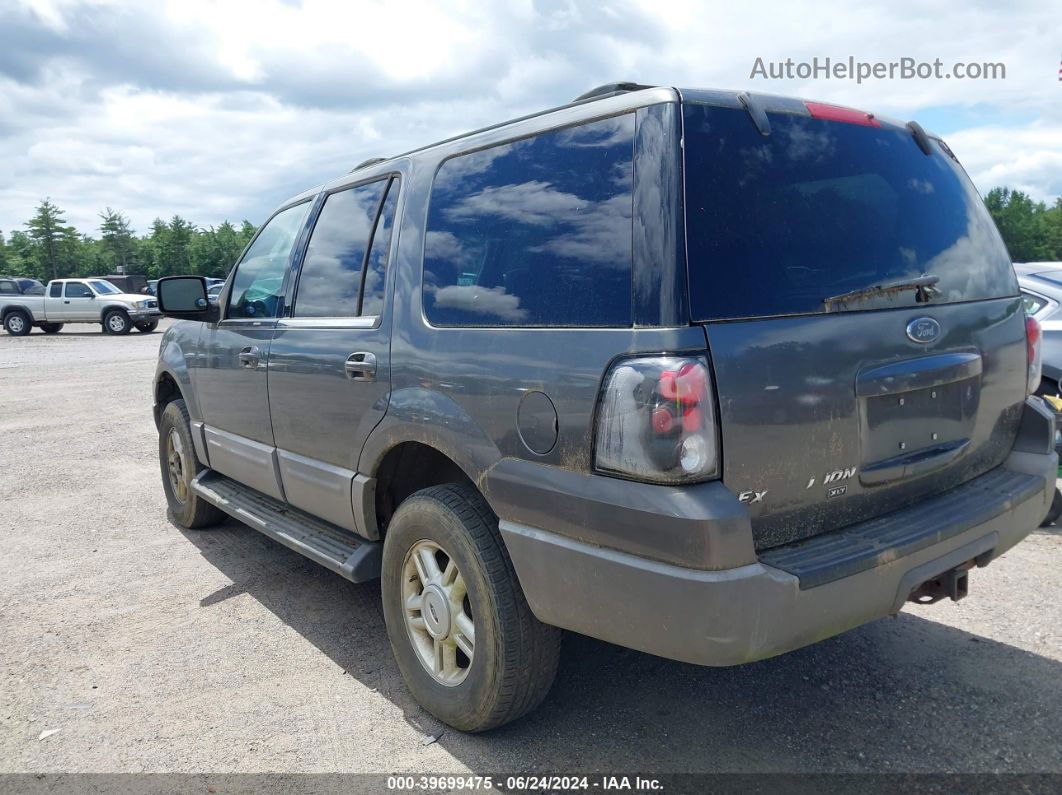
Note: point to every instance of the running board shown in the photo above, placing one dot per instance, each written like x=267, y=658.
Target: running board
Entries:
x=333, y=547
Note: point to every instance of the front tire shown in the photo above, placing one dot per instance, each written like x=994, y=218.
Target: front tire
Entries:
x=147, y=328
x=17, y=323
x=116, y=322
x=179, y=465
x=466, y=642
x=51, y=328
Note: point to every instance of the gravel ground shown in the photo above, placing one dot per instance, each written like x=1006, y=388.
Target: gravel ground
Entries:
x=147, y=648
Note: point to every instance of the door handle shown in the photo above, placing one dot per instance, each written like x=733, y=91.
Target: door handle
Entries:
x=361, y=366
x=66, y=302
x=249, y=357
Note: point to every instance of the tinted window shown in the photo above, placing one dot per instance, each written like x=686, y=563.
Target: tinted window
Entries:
x=777, y=223
x=330, y=278
x=55, y=290
x=8, y=287
x=77, y=290
x=258, y=286
x=376, y=267
x=536, y=232
x=30, y=286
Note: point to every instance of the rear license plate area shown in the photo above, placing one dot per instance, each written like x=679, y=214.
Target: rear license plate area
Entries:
x=920, y=419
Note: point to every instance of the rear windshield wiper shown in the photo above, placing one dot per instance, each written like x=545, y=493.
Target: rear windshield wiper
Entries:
x=924, y=287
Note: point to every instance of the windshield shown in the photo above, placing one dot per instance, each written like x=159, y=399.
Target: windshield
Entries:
x=103, y=288
x=777, y=224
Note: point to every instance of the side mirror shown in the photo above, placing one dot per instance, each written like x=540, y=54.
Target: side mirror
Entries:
x=185, y=298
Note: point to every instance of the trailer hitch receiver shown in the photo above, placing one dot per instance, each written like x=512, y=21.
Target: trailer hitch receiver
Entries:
x=953, y=584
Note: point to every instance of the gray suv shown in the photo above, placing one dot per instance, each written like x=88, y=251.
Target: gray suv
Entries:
x=709, y=375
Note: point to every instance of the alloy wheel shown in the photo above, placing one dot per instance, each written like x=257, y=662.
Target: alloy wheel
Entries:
x=438, y=613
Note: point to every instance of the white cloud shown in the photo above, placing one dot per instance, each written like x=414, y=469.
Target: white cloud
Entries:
x=1027, y=159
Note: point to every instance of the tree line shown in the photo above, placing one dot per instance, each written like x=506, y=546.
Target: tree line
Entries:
x=1032, y=230
x=49, y=248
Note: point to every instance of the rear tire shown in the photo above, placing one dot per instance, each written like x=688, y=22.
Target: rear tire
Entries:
x=51, y=328
x=179, y=465
x=17, y=323
x=147, y=328
x=513, y=655
x=116, y=322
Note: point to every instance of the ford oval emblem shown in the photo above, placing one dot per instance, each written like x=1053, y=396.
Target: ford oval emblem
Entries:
x=923, y=330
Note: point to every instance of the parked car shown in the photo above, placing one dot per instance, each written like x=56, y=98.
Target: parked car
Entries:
x=78, y=301
x=213, y=291
x=149, y=288
x=20, y=286
x=709, y=375
x=1041, y=288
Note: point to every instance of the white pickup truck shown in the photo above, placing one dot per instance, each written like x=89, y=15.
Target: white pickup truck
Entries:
x=79, y=301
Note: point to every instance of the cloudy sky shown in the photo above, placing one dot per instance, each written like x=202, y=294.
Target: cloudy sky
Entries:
x=218, y=110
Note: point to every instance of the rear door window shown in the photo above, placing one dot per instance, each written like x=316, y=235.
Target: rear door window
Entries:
x=331, y=273
x=776, y=224
x=376, y=264
x=55, y=290
x=536, y=232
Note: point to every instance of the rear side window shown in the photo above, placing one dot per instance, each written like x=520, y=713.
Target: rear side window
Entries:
x=55, y=290
x=536, y=232
x=776, y=224
x=330, y=277
x=8, y=287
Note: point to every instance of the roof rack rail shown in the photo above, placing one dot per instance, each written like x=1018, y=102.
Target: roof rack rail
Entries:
x=372, y=161
x=609, y=90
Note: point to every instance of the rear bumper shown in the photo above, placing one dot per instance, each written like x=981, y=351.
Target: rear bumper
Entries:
x=758, y=610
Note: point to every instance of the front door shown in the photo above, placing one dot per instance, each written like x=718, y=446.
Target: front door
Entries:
x=79, y=305
x=329, y=365
x=231, y=372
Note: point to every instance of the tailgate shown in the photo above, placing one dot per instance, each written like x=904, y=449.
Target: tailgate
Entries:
x=832, y=419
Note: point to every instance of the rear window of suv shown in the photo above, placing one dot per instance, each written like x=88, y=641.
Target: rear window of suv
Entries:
x=816, y=209
x=536, y=232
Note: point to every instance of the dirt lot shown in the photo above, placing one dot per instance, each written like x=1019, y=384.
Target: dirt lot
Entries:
x=145, y=648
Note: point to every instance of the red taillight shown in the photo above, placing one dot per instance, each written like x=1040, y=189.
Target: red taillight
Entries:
x=1033, y=339
x=819, y=110
x=657, y=421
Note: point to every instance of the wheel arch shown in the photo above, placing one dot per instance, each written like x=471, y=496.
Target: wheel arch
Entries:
x=425, y=420
x=110, y=307
x=404, y=469
x=7, y=309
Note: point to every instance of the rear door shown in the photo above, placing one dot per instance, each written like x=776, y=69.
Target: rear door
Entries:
x=329, y=370
x=839, y=403
x=232, y=367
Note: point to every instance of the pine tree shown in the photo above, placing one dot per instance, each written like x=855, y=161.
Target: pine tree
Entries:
x=48, y=229
x=117, y=239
